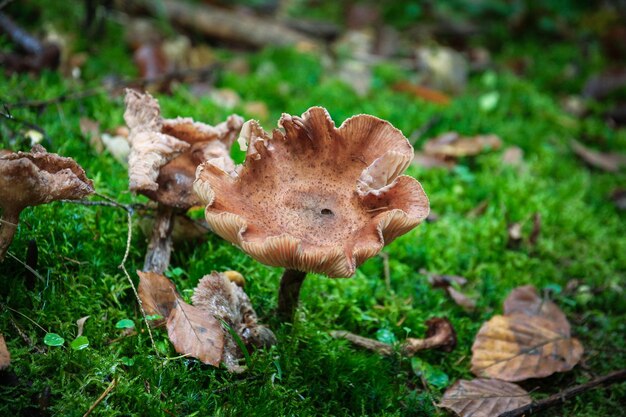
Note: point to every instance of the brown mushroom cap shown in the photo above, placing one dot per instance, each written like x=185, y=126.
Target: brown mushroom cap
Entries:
x=166, y=152
x=38, y=177
x=316, y=198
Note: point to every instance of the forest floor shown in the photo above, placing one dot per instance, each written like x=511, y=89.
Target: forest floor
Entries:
x=582, y=237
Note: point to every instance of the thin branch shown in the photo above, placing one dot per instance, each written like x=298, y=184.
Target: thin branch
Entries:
x=25, y=265
x=122, y=266
x=25, y=316
x=560, y=397
x=101, y=397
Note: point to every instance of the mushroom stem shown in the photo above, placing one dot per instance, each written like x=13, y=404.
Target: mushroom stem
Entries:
x=160, y=244
x=8, y=226
x=289, y=293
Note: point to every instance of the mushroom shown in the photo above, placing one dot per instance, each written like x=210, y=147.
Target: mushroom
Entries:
x=162, y=164
x=34, y=178
x=314, y=198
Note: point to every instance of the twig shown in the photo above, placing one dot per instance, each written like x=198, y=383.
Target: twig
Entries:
x=9, y=116
x=28, y=267
x=122, y=266
x=25, y=316
x=101, y=397
x=127, y=207
x=364, y=342
x=561, y=397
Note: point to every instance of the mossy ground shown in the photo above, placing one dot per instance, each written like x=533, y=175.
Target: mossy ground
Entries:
x=583, y=236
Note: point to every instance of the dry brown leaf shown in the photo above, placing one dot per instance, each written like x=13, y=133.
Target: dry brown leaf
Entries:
x=91, y=130
x=610, y=162
x=517, y=347
x=158, y=294
x=5, y=356
x=425, y=93
x=422, y=160
x=453, y=145
x=195, y=333
x=483, y=397
x=80, y=323
x=191, y=330
x=525, y=300
x=513, y=156
x=197, y=330
x=462, y=300
x=442, y=280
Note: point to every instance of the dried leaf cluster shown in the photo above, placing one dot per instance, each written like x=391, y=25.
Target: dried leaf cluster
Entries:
x=444, y=150
x=531, y=340
x=206, y=330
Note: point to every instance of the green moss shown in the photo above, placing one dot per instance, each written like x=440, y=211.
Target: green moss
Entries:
x=308, y=373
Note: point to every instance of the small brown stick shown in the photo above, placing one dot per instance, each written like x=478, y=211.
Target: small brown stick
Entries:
x=561, y=397
x=440, y=334
x=385, y=257
x=101, y=397
x=364, y=342
x=160, y=244
x=289, y=293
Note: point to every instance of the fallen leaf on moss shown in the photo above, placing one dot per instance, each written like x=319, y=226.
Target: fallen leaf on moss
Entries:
x=425, y=93
x=526, y=300
x=197, y=330
x=610, y=162
x=483, y=397
x=462, y=300
x=443, y=280
x=80, y=323
x=90, y=129
x=532, y=340
x=453, y=145
x=5, y=356
x=513, y=156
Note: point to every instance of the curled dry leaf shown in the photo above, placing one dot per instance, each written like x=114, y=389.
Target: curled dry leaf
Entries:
x=34, y=178
x=513, y=156
x=453, y=145
x=526, y=300
x=531, y=341
x=197, y=330
x=462, y=300
x=483, y=397
x=80, y=323
x=439, y=335
x=315, y=198
x=5, y=356
x=610, y=162
x=442, y=280
x=425, y=93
